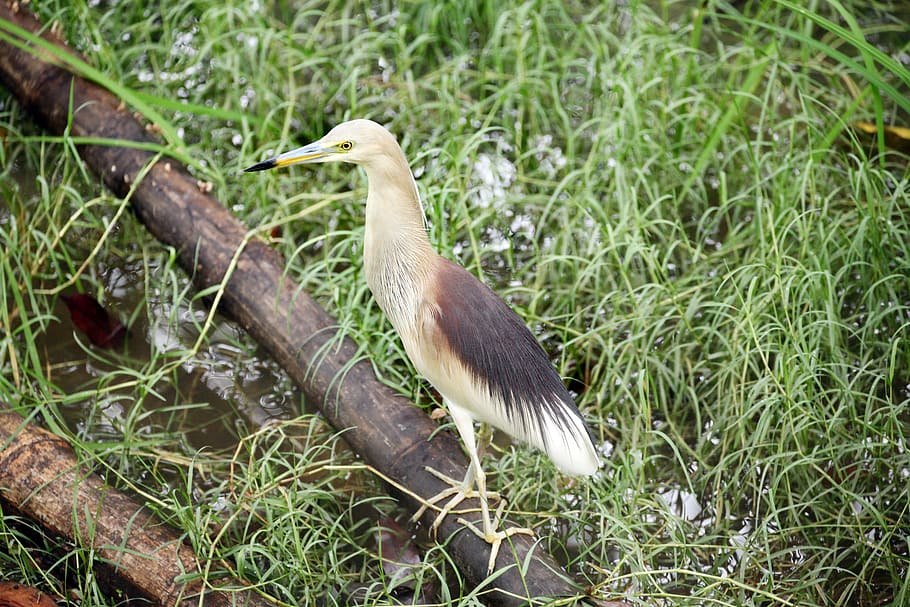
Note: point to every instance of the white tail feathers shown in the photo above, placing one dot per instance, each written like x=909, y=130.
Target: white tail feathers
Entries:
x=567, y=442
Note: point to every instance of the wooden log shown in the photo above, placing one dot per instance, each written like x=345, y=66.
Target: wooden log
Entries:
x=386, y=430
x=40, y=477
x=19, y=595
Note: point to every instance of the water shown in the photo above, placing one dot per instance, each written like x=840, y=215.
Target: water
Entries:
x=223, y=390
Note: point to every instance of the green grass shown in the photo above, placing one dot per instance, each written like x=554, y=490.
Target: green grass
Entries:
x=674, y=201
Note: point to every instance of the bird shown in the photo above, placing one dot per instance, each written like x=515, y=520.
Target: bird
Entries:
x=458, y=333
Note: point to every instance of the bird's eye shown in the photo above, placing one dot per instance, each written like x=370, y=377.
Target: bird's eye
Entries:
x=344, y=146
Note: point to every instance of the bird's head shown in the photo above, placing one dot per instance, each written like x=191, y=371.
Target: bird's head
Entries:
x=356, y=141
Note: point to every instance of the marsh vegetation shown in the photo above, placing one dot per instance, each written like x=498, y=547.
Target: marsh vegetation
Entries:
x=675, y=200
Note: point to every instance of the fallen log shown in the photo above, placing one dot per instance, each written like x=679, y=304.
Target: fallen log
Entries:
x=19, y=595
x=383, y=428
x=41, y=478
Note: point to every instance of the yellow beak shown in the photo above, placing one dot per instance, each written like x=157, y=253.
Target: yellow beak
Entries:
x=307, y=153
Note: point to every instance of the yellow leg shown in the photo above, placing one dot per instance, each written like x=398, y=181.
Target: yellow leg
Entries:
x=455, y=494
x=460, y=491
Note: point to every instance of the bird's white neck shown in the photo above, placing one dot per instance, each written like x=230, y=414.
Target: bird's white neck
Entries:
x=397, y=252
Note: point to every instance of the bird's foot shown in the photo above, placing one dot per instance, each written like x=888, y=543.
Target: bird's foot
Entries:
x=456, y=493
x=491, y=536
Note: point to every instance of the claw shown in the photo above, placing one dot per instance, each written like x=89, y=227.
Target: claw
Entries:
x=460, y=491
x=457, y=493
x=492, y=537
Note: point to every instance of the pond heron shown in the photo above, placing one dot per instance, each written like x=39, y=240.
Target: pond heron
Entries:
x=458, y=333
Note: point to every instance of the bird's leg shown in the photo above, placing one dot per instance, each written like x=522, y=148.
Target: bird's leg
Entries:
x=465, y=426
x=459, y=490
x=489, y=533
x=457, y=493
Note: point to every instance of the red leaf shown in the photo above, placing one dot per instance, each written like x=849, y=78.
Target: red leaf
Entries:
x=89, y=317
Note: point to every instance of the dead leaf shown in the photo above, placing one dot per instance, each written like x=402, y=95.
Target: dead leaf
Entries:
x=896, y=137
x=397, y=550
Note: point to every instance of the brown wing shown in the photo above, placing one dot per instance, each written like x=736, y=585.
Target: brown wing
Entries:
x=470, y=323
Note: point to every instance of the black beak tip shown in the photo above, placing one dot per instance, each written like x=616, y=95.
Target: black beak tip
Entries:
x=261, y=166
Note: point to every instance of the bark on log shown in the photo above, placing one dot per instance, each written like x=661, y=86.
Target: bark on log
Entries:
x=386, y=430
x=41, y=478
x=20, y=595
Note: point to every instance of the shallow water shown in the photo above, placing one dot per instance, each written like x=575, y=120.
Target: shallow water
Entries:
x=205, y=396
